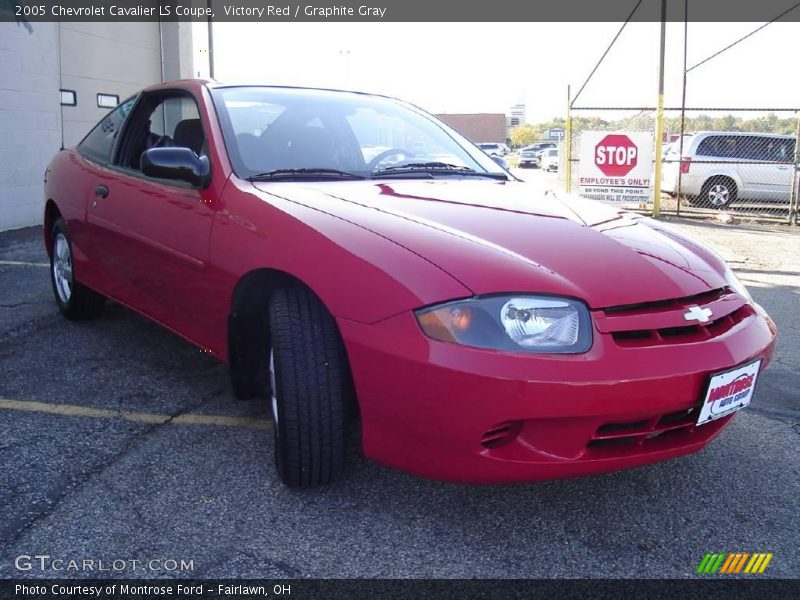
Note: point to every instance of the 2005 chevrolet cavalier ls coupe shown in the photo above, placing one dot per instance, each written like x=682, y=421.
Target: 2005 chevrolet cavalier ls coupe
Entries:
x=351, y=257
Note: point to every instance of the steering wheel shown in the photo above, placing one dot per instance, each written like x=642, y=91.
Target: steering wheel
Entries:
x=386, y=154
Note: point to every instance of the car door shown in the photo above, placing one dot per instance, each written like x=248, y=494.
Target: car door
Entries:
x=153, y=234
x=765, y=167
x=780, y=153
x=95, y=152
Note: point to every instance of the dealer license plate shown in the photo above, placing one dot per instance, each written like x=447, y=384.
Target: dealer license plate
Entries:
x=729, y=391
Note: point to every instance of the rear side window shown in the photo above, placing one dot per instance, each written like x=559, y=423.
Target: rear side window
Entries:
x=718, y=145
x=773, y=149
x=99, y=144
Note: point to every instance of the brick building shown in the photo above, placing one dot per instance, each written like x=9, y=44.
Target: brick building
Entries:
x=479, y=128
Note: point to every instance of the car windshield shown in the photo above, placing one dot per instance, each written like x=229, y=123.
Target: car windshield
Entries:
x=290, y=132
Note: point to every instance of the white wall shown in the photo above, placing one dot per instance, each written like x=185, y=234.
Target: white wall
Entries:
x=107, y=58
x=38, y=59
x=30, y=118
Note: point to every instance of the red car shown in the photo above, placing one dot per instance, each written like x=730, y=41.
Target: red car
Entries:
x=351, y=257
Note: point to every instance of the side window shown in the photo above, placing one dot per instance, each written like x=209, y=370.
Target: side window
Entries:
x=777, y=150
x=176, y=122
x=789, y=151
x=757, y=148
x=172, y=121
x=708, y=147
x=721, y=146
x=99, y=144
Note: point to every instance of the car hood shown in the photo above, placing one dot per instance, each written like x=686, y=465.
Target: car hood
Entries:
x=518, y=237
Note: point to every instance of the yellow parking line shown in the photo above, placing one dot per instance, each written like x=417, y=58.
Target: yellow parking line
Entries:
x=22, y=263
x=73, y=410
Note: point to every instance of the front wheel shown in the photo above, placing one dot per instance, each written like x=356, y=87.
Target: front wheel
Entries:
x=309, y=378
x=718, y=192
x=73, y=299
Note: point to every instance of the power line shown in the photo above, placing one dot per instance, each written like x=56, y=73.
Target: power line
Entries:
x=599, y=62
x=740, y=40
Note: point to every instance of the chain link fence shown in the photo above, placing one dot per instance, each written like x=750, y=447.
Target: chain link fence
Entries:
x=746, y=164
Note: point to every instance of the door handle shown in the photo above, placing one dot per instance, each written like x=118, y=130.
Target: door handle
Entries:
x=101, y=191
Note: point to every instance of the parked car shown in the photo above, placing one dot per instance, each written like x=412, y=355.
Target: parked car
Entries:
x=457, y=313
x=528, y=158
x=549, y=159
x=719, y=168
x=493, y=149
x=540, y=146
x=531, y=155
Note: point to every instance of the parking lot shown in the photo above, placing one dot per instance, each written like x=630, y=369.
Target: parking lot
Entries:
x=119, y=440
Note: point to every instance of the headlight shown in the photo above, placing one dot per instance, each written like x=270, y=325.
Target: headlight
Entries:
x=736, y=285
x=541, y=324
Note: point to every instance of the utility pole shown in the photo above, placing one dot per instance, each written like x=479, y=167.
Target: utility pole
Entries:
x=210, y=44
x=683, y=105
x=660, y=115
x=568, y=145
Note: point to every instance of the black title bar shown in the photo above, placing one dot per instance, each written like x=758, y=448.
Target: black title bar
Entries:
x=396, y=10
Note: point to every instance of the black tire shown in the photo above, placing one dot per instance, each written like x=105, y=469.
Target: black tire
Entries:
x=310, y=398
x=77, y=302
x=717, y=192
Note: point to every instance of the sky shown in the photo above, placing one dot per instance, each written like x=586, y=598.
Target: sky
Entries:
x=488, y=67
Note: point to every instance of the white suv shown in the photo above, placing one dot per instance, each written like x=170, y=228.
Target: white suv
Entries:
x=719, y=167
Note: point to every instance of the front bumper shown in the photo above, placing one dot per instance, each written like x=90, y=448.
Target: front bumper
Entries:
x=455, y=413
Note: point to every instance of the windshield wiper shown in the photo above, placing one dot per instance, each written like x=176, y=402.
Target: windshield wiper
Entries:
x=304, y=173
x=435, y=168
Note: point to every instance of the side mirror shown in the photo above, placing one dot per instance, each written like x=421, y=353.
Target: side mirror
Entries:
x=177, y=163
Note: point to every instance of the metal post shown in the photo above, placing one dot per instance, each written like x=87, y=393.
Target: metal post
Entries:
x=683, y=107
x=210, y=45
x=794, y=200
x=568, y=146
x=660, y=115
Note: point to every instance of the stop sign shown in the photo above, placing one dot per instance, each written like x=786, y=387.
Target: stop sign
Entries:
x=615, y=155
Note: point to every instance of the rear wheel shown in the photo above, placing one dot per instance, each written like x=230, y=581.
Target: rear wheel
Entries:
x=718, y=192
x=309, y=377
x=74, y=300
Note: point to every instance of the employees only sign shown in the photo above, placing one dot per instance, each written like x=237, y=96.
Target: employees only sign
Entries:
x=616, y=167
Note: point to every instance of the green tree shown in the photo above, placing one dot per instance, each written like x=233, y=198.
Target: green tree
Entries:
x=524, y=135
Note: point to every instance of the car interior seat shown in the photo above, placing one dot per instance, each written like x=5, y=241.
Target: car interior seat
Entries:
x=189, y=134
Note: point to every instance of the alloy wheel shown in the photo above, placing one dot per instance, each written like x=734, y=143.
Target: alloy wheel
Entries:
x=62, y=268
x=718, y=195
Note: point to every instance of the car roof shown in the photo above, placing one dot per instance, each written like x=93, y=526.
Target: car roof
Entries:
x=213, y=84
x=740, y=133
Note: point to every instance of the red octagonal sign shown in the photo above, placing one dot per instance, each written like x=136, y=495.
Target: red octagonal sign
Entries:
x=616, y=155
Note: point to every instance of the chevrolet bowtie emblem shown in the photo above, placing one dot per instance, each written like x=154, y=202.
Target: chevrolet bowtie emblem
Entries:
x=702, y=315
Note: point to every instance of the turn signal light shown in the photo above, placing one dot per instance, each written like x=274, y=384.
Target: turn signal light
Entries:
x=444, y=324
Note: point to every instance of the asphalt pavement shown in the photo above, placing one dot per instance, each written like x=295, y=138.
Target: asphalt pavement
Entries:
x=119, y=441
